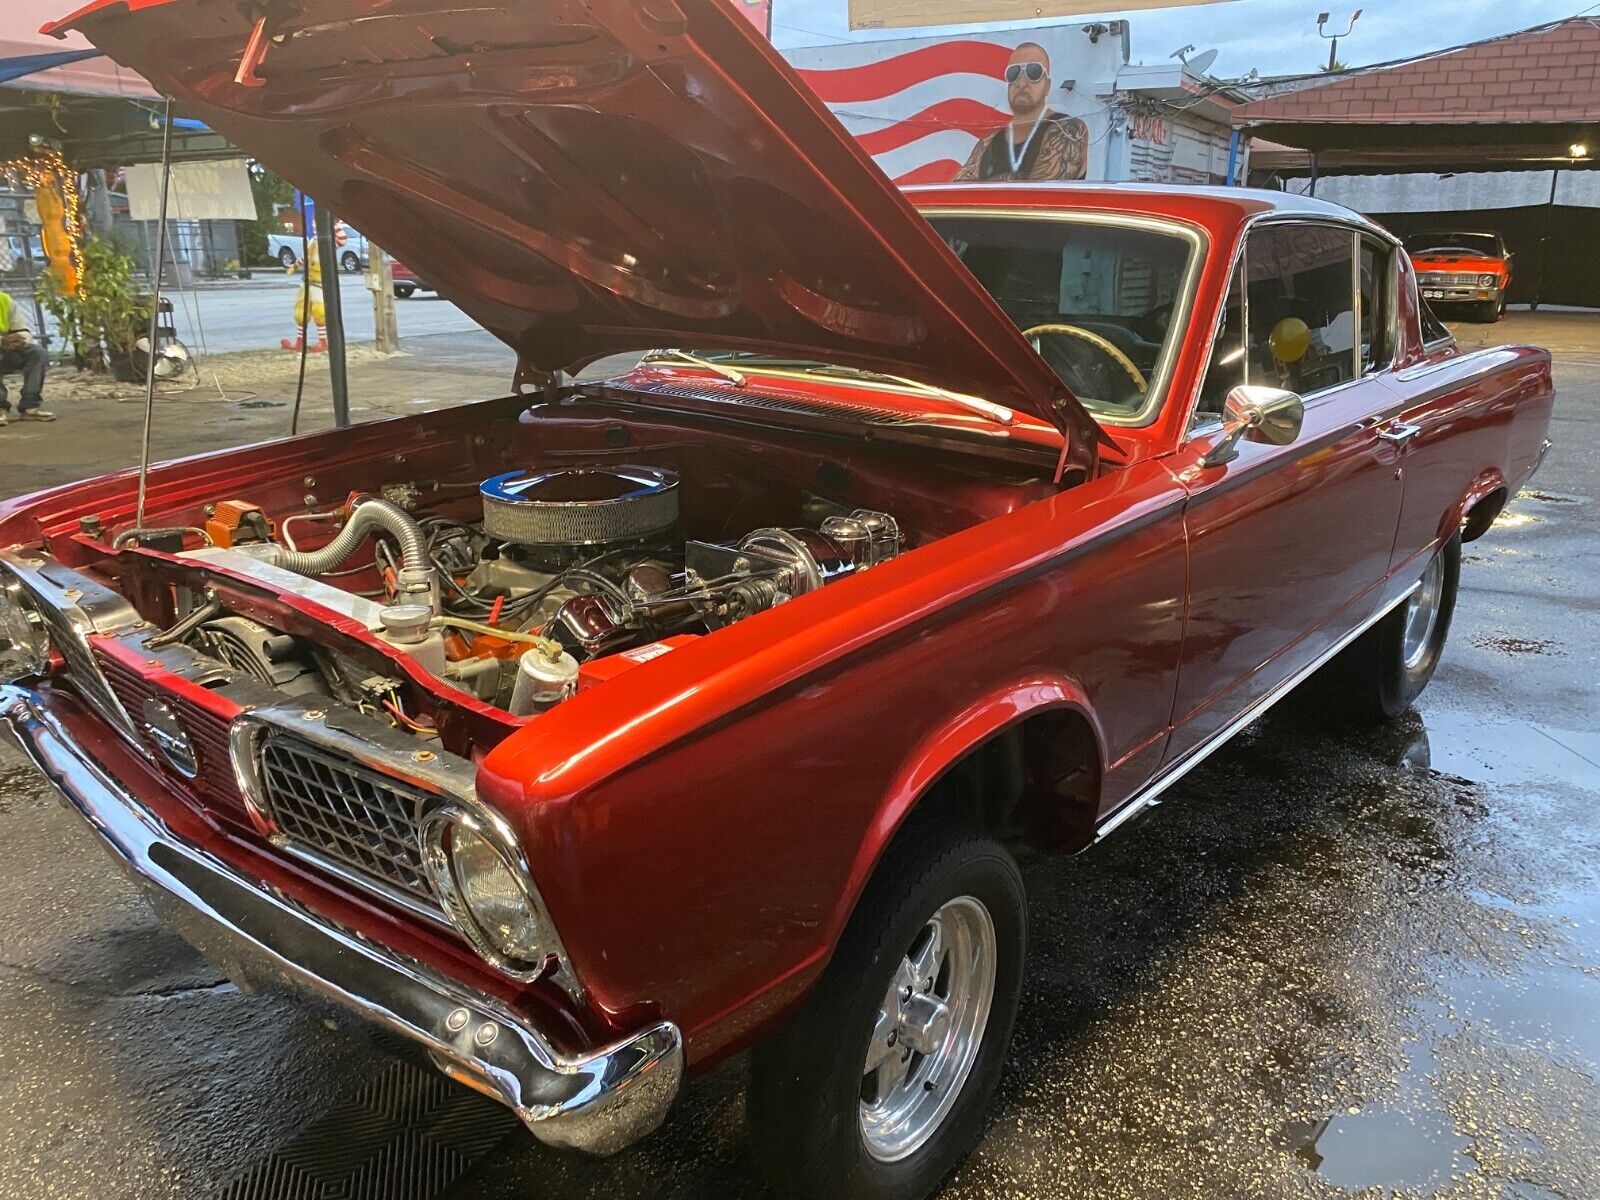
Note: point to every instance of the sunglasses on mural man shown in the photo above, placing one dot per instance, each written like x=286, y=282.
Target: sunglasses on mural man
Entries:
x=1033, y=70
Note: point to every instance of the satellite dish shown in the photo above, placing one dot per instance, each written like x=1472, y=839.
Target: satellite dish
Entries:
x=1201, y=63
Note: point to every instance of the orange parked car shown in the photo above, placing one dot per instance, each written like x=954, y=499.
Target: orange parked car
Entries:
x=1469, y=269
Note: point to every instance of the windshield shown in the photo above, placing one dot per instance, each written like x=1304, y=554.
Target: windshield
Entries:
x=1486, y=244
x=1095, y=298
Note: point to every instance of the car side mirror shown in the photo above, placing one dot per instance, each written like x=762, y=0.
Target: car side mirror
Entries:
x=1262, y=414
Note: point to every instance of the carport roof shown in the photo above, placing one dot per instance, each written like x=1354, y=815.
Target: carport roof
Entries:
x=1516, y=99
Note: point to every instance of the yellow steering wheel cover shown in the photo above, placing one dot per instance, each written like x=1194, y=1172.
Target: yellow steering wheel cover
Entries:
x=1088, y=335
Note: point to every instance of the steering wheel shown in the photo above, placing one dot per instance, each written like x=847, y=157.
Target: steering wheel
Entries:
x=1094, y=339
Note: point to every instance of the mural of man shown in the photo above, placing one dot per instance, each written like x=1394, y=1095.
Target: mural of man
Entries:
x=1037, y=143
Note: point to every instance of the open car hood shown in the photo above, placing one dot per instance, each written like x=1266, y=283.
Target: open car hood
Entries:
x=587, y=177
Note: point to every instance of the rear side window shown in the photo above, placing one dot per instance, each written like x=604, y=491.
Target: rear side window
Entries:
x=1300, y=310
x=1433, y=329
x=1377, y=306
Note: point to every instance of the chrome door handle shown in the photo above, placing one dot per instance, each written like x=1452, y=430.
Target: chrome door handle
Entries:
x=1399, y=433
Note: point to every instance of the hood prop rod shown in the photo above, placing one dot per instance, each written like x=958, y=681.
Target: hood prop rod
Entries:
x=155, y=317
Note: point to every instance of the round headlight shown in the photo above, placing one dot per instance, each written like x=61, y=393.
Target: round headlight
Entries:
x=1487, y=280
x=485, y=890
x=24, y=641
x=493, y=895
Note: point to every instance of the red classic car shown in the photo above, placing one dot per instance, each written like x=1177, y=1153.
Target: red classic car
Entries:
x=590, y=736
x=406, y=283
x=1469, y=269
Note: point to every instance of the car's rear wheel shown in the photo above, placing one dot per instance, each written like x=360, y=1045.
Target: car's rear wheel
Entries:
x=1382, y=673
x=287, y=258
x=404, y=290
x=350, y=261
x=878, y=1086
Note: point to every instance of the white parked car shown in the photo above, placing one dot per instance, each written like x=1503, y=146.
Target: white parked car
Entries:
x=285, y=247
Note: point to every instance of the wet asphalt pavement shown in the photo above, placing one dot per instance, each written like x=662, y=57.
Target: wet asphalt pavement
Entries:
x=1333, y=963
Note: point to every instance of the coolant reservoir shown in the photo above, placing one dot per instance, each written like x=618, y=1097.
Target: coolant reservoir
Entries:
x=408, y=627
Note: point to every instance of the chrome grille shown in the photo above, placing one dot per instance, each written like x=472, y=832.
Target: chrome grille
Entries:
x=1449, y=278
x=59, y=597
x=214, y=784
x=343, y=815
x=84, y=674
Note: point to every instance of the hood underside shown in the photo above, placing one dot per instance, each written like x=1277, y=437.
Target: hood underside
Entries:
x=588, y=177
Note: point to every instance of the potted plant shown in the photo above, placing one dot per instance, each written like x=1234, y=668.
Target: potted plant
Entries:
x=105, y=316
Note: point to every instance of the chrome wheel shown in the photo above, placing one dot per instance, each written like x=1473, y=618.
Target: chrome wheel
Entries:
x=1422, y=614
x=929, y=1030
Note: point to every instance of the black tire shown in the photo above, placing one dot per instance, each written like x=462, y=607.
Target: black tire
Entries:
x=1371, y=679
x=404, y=290
x=350, y=261
x=1485, y=313
x=806, y=1079
x=287, y=258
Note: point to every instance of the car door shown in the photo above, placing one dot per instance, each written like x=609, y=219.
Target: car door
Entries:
x=1287, y=544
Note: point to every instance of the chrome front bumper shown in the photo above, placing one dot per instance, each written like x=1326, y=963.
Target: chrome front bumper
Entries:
x=1458, y=293
x=596, y=1103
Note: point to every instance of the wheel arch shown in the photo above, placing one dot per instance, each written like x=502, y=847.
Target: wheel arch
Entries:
x=1025, y=762
x=1478, y=508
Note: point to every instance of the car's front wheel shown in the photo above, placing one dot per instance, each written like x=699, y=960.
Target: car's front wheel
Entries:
x=404, y=290
x=350, y=261
x=287, y=258
x=879, y=1085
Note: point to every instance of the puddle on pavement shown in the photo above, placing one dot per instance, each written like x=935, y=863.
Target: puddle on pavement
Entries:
x=1389, y=1150
x=1540, y=1002
x=1506, y=752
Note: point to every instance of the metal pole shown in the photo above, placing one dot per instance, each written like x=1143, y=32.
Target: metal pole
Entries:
x=155, y=317
x=33, y=281
x=1544, y=243
x=1312, y=190
x=332, y=303
x=380, y=278
x=1233, y=158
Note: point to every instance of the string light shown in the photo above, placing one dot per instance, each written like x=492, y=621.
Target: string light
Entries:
x=44, y=167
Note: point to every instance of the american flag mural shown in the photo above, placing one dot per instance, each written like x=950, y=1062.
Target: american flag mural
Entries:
x=919, y=107
x=759, y=12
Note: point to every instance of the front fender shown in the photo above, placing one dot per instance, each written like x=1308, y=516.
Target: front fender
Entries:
x=948, y=742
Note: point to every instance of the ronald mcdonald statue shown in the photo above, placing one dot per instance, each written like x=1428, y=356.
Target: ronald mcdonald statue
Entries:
x=308, y=305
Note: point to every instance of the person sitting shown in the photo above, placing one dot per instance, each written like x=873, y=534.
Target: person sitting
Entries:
x=19, y=353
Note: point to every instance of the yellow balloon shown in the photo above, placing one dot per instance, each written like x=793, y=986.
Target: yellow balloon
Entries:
x=1289, y=340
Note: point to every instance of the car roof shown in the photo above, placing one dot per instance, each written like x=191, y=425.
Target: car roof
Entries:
x=1210, y=205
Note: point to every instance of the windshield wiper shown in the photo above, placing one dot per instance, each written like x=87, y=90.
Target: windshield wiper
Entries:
x=984, y=408
x=737, y=378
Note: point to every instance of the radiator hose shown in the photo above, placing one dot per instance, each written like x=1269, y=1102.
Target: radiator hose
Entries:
x=368, y=515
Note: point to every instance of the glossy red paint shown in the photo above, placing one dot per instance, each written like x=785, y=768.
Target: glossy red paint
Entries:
x=1472, y=264
x=701, y=824
x=739, y=790
x=590, y=181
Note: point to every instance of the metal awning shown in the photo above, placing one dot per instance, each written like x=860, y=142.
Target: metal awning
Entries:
x=1523, y=101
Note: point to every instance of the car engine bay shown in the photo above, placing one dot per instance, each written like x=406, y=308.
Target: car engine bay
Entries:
x=566, y=577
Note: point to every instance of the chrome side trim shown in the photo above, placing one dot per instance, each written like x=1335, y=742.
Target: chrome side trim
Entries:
x=596, y=1102
x=1152, y=792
